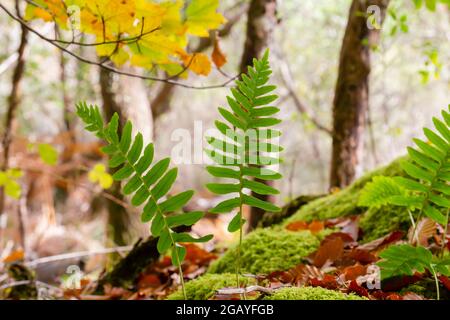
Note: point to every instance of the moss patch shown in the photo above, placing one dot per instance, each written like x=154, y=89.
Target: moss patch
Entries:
x=267, y=250
x=345, y=201
x=311, y=293
x=205, y=286
x=376, y=223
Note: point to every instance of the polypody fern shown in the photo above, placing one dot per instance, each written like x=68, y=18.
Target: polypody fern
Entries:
x=245, y=146
x=426, y=189
x=147, y=184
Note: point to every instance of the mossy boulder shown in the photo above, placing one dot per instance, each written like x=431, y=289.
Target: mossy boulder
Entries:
x=267, y=250
x=205, y=286
x=311, y=293
x=374, y=222
x=377, y=222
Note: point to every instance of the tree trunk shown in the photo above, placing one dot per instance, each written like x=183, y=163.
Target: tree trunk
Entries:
x=127, y=97
x=351, y=99
x=118, y=219
x=261, y=21
x=13, y=103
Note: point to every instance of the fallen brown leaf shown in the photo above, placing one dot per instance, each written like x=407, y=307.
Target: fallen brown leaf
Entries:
x=330, y=250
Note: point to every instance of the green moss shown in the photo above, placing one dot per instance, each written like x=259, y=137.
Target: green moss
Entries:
x=205, y=286
x=267, y=250
x=311, y=293
x=345, y=202
x=378, y=222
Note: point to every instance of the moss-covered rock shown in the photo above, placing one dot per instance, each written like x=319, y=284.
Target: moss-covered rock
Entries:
x=344, y=202
x=267, y=250
x=311, y=293
x=375, y=222
x=205, y=286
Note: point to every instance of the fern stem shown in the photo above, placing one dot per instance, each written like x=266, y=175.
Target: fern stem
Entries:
x=444, y=238
x=436, y=282
x=177, y=256
x=238, y=260
x=411, y=217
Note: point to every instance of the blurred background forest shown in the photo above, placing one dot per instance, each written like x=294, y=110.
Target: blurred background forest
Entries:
x=60, y=209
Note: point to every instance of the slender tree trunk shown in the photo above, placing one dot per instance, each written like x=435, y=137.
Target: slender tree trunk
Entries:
x=127, y=97
x=351, y=99
x=13, y=103
x=261, y=21
x=118, y=219
x=67, y=114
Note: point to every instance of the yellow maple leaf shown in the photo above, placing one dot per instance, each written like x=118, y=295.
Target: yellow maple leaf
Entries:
x=201, y=16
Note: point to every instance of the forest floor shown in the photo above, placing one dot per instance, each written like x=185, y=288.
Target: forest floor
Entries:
x=325, y=249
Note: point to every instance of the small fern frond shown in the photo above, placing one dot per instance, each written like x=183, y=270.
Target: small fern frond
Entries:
x=379, y=192
x=246, y=143
x=429, y=171
x=146, y=184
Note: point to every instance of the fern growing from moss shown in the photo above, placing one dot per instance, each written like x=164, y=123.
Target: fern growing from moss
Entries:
x=147, y=184
x=379, y=192
x=245, y=146
x=426, y=189
x=428, y=170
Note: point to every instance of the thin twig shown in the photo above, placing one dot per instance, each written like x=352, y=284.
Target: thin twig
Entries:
x=112, y=69
x=288, y=81
x=73, y=255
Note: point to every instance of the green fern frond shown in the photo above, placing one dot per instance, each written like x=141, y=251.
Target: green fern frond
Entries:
x=429, y=172
x=147, y=184
x=246, y=143
x=379, y=192
x=404, y=260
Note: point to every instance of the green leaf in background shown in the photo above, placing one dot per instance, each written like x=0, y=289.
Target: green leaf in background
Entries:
x=8, y=180
x=48, y=153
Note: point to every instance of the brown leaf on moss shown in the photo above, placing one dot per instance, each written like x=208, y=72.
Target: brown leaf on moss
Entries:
x=357, y=289
x=330, y=250
x=297, y=226
x=197, y=255
x=383, y=241
x=327, y=282
x=397, y=283
x=445, y=281
x=361, y=256
x=353, y=272
x=315, y=226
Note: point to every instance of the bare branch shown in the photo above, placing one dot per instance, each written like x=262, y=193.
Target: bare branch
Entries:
x=288, y=81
